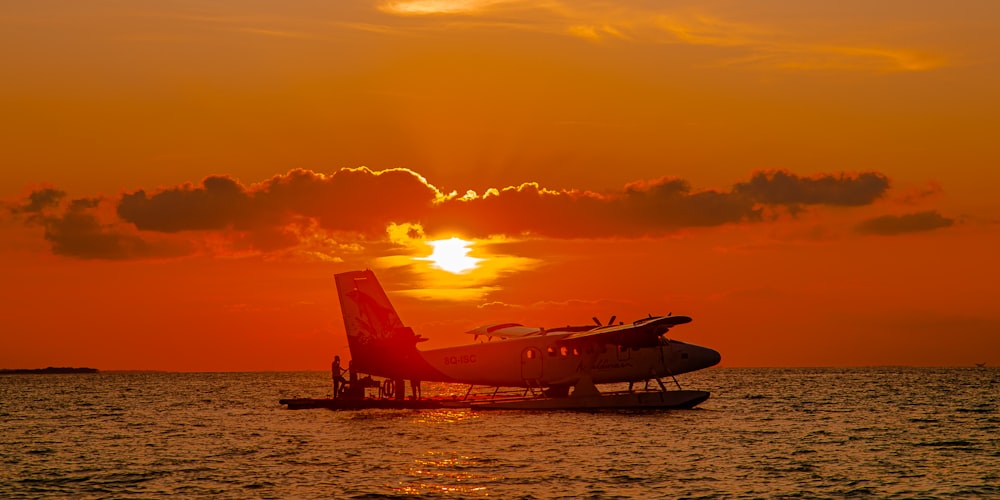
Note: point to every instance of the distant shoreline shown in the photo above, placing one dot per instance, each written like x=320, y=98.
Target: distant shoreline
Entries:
x=43, y=371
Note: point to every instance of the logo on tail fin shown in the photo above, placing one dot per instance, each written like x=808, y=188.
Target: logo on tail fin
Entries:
x=368, y=315
x=373, y=322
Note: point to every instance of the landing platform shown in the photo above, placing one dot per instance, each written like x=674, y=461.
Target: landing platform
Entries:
x=641, y=400
x=361, y=404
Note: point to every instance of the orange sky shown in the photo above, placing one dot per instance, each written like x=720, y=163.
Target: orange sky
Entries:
x=814, y=184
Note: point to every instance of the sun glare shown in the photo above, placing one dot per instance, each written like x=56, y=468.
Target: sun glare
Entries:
x=452, y=255
x=436, y=6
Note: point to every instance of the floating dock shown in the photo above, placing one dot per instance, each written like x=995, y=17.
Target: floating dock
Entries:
x=361, y=404
x=638, y=400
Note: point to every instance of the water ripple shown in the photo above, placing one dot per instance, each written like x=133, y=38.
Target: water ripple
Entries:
x=775, y=433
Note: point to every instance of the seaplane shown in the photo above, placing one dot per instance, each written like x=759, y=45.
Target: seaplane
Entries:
x=557, y=368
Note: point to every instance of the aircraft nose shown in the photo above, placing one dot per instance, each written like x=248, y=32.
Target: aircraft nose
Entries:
x=714, y=357
x=708, y=357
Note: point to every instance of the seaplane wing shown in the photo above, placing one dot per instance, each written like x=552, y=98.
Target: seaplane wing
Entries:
x=641, y=333
x=506, y=331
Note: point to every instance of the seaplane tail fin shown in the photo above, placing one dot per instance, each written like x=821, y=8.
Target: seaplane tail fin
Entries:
x=380, y=343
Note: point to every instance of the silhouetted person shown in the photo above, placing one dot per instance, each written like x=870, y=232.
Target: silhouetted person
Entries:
x=415, y=388
x=338, y=376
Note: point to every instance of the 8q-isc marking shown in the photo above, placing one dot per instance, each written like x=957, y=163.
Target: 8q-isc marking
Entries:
x=460, y=360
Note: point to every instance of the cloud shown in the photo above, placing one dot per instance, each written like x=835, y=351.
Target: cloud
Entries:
x=785, y=49
x=778, y=45
x=355, y=200
x=330, y=214
x=648, y=208
x=669, y=203
x=888, y=225
x=497, y=305
x=707, y=30
x=352, y=199
x=595, y=32
x=918, y=195
x=40, y=200
x=285, y=212
x=219, y=202
x=784, y=188
x=645, y=208
x=78, y=232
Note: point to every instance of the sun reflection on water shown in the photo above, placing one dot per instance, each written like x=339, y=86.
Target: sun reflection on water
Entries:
x=449, y=416
x=423, y=488
x=445, y=472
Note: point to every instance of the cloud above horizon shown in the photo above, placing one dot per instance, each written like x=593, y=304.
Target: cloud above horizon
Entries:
x=75, y=229
x=889, y=225
x=355, y=206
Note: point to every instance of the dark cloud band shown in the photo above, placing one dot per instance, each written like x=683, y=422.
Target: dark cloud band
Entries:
x=269, y=216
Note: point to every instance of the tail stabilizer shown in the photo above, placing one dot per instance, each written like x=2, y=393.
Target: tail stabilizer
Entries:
x=380, y=343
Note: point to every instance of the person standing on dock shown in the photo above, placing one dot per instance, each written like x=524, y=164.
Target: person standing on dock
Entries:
x=415, y=388
x=338, y=376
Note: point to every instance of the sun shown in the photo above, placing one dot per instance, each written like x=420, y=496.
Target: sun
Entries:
x=452, y=255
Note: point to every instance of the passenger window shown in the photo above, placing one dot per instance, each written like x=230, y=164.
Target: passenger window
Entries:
x=563, y=351
x=551, y=350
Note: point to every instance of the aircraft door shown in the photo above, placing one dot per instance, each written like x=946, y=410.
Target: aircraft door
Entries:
x=623, y=353
x=531, y=363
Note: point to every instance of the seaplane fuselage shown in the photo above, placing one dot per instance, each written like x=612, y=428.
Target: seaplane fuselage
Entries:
x=543, y=361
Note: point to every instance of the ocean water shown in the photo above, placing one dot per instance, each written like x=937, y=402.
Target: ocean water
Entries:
x=765, y=433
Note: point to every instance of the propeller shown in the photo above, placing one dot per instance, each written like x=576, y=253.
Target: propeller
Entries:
x=610, y=321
